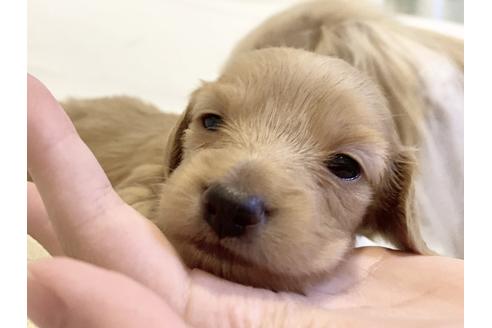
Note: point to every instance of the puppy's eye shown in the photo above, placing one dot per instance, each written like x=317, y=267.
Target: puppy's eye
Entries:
x=344, y=167
x=211, y=121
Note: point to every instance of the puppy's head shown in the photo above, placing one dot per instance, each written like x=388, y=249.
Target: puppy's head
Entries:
x=274, y=167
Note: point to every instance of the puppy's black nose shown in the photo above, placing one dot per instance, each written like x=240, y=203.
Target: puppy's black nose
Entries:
x=229, y=211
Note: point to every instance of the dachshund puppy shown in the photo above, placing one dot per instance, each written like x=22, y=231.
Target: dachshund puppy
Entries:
x=273, y=168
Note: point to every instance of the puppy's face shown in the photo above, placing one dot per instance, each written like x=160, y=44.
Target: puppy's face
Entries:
x=275, y=166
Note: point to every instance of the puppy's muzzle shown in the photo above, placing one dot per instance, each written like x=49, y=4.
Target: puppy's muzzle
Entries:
x=231, y=212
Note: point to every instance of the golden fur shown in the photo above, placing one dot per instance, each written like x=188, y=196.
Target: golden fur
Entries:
x=286, y=111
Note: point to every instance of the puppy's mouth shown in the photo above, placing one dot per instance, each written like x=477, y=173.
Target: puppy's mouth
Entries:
x=223, y=262
x=219, y=252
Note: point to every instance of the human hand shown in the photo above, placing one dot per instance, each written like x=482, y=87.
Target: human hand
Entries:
x=124, y=273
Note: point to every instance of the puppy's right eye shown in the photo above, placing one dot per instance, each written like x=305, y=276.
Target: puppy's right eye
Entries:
x=211, y=122
x=344, y=167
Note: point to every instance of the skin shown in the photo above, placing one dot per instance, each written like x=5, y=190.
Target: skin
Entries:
x=117, y=270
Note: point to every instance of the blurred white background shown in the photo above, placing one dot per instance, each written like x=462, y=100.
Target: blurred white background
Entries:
x=158, y=50
x=435, y=9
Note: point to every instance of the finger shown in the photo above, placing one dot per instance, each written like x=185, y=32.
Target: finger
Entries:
x=67, y=293
x=64, y=170
x=38, y=225
x=90, y=220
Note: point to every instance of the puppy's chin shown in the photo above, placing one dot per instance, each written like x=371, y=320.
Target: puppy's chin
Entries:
x=218, y=259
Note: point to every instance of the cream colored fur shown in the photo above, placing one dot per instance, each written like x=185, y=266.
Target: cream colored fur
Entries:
x=286, y=111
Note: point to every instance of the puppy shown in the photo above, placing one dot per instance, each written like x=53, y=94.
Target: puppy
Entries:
x=326, y=122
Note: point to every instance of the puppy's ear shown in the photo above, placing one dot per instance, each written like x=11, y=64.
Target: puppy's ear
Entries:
x=392, y=214
x=174, y=147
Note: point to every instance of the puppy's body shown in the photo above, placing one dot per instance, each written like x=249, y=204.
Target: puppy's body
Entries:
x=128, y=138
x=285, y=110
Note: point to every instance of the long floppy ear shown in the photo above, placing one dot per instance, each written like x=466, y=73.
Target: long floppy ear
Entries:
x=174, y=146
x=392, y=214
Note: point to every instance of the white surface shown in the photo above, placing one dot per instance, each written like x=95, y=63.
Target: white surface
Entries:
x=157, y=50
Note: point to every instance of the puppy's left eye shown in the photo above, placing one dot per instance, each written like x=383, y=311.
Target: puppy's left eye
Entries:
x=211, y=121
x=344, y=167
